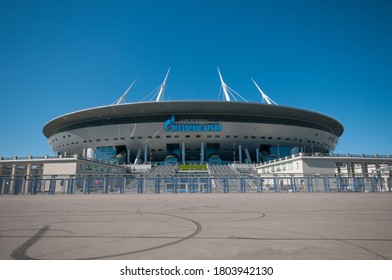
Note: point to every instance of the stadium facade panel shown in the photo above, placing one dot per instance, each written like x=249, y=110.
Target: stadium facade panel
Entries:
x=192, y=131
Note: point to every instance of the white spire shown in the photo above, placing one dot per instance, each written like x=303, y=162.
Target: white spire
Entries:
x=122, y=98
x=264, y=97
x=224, y=87
x=162, y=87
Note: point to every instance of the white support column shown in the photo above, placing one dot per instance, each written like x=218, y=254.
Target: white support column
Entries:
x=27, y=181
x=3, y=187
x=139, y=153
x=183, y=153
x=240, y=153
x=264, y=98
x=365, y=170
x=224, y=87
x=13, y=174
x=202, y=153
x=248, y=155
x=162, y=87
x=128, y=156
x=3, y=181
x=339, y=168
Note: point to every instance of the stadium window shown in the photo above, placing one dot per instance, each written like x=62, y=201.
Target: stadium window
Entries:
x=187, y=136
x=209, y=136
x=149, y=137
x=139, y=137
x=287, y=139
x=217, y=136
x=122, y=138
x=235, y=136
x=246, y=137
x=115, y=139
x=198, y=136
x=157, y=136
x=168, y=136
x=176, y=136
x=262, y=137
x=106, y=139
x=279, y=138
x=227, y=136
x=98, y=140
x=269, y=138
x=253, y=137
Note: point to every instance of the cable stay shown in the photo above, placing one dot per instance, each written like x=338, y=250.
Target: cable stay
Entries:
x=122, y=98
x=152, y=94
x=158, y=93
x=264, y=98
x=228, y=91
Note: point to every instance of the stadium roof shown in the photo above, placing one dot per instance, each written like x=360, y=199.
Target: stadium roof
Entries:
x=193, y=107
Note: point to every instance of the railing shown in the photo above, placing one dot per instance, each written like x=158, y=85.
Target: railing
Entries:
x=330, y=155
x=20, y=160
x=212, y=183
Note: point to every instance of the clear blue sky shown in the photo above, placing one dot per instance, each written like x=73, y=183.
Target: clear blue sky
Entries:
x=334, y=57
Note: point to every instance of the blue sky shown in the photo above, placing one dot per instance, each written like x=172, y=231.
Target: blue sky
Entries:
x=332, y=57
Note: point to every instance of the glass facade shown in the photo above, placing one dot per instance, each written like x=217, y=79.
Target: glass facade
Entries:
x=105, y=153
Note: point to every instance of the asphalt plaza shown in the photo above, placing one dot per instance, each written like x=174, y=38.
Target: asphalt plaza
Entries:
x=273, y=226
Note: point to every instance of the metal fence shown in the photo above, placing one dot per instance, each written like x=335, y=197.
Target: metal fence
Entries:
x=88, y=184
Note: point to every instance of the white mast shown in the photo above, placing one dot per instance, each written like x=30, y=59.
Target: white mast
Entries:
x=264, y=97
x=122, y=98
x=162, y=87
x=224, y=87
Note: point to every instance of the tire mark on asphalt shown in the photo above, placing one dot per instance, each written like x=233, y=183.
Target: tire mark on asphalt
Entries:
x=20, y=253
x=364, y=248
x=193, y=234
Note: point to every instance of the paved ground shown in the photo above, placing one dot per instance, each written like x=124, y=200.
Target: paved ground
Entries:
x=197, y=226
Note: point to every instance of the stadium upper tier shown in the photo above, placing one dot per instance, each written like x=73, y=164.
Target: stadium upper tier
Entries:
x=183, y=131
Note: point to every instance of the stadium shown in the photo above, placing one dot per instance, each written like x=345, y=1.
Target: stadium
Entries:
x=228, y=145
x=186, y=132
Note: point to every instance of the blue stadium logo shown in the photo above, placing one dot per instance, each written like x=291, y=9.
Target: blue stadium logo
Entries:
x=171, y=126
